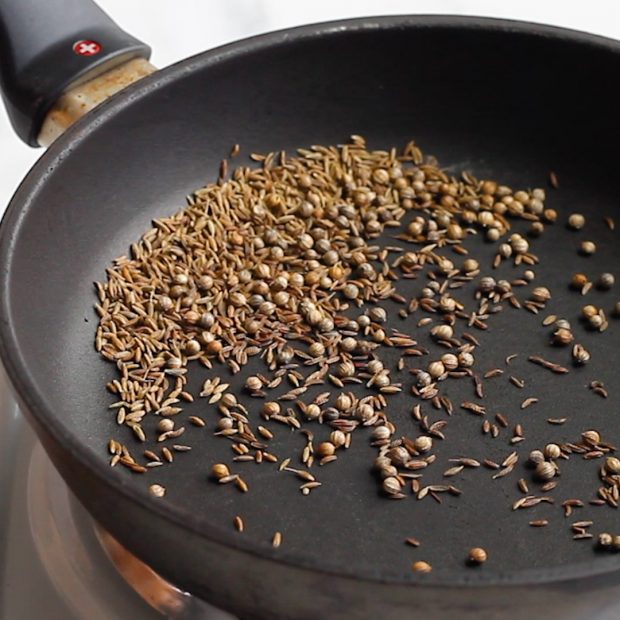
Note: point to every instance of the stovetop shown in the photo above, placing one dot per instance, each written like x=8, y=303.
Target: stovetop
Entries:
x=52, y=561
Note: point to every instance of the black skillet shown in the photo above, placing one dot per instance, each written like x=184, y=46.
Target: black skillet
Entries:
x=504, y=99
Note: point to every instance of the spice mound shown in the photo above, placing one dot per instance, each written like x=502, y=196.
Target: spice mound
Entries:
x=297, y=266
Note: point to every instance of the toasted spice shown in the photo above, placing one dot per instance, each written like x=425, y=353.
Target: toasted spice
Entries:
x=477, y=555
x=422, y=567
x=285, y=263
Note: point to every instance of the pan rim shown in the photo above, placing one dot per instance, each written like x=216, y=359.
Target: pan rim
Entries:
x=35, y=400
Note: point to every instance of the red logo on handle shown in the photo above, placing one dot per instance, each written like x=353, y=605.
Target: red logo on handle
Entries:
x=86, y=47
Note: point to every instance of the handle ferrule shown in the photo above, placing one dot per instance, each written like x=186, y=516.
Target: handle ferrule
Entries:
x=48, y=47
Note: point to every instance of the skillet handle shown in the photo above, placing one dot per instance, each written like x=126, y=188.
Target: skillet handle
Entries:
x=48, y=47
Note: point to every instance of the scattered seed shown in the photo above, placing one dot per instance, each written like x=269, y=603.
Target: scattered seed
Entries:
x=528, y=402
x=422, y=567
x=535, y=359
x=477, y=555
x=523, y=486
x=587, y=248
x=605, y=281
x=157, y=490
x=545, y=470
x=220, y=471
x=580, y=354
x=576, y=221
x=553, y=180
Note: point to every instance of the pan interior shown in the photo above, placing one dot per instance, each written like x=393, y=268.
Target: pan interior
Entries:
x=497, y=101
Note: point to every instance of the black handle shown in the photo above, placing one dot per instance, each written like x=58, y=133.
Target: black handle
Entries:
x=48, y=45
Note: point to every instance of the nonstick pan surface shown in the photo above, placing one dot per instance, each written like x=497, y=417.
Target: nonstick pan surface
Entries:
x=503, y=100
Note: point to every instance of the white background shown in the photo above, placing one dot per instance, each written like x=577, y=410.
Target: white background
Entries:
x=179, y=28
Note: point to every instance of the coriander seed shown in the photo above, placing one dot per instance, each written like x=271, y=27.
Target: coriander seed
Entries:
x=504, y=250
x=436, y=369
x=550, y=215
x=389, y=471
x=225, y=424
x=477, y=555
x=423, y=379
x=576, y=221
x=580, y=354
x=596, y=321
x=470, y=264
x=612, y=465
x=381, y=432
x=562, y=337
x=348, y=345
x=591, y=437
x=271, y=408
x=338, y=438
x=450, y=361
x=174, y=362
x=381, y=462
x=351, y=291
x=399, y=455
x=391, y=485
x=578, y=281
x=589, y=311
x=344, y=402
x=157, y=490
x=316, y=349
x=605, y=281
x=536, y=457
x=312, y=412
x=364, y=412
x=253, y=384
x=552, y=451
x=326, y=449
x=442, y=332
x=545, y=470
x=519, y=244
x=229, y=399
x=377, y=314
x=541, y=294
x=454, y=232
x=493, y=234
x=421, y=567
x=192, y=347
x=423, y=444
x=286, y=355
x=466, y=360
x=165, y=426
x=165, y=303
x=587, y=248
x=219, y=471
x=536, y=229
x=345, y=369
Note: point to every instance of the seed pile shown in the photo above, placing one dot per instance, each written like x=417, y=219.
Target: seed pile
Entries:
x=283, y=262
